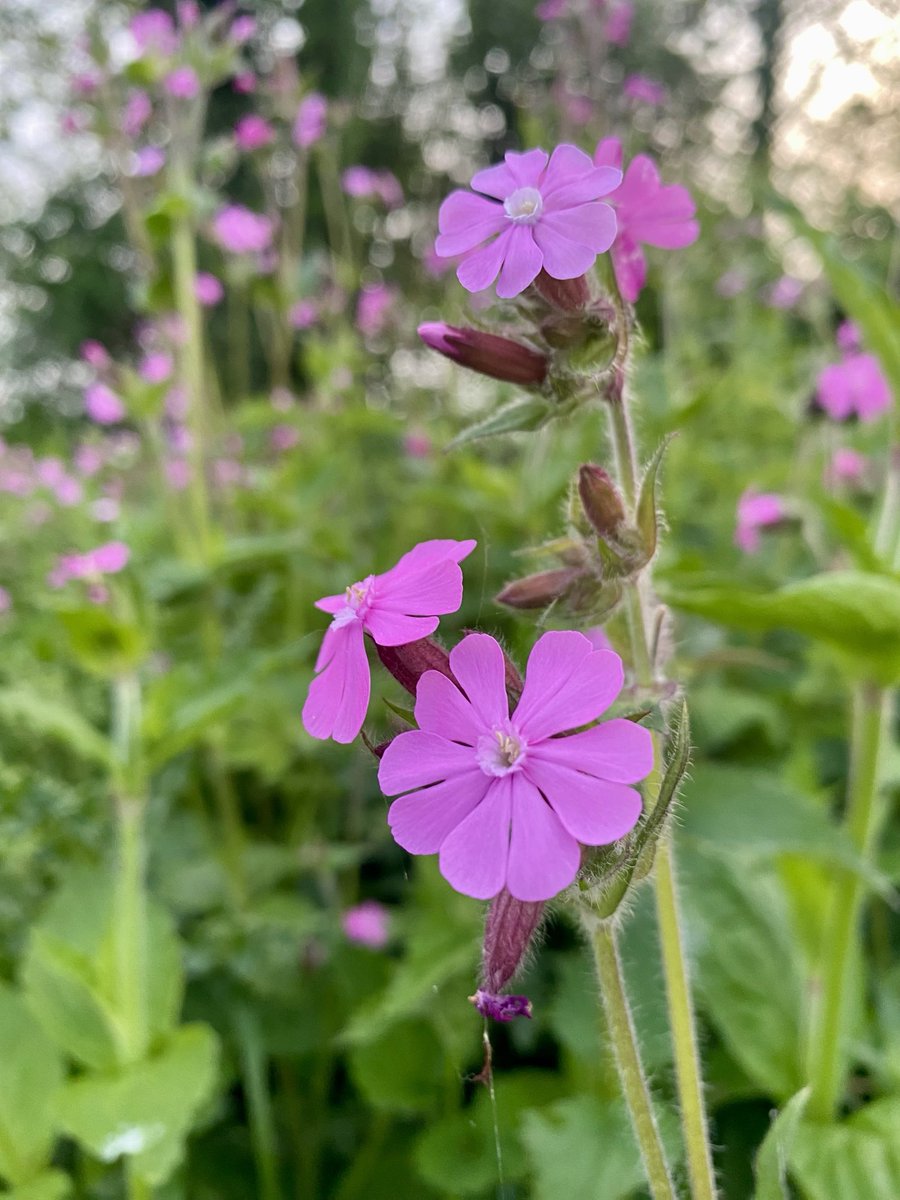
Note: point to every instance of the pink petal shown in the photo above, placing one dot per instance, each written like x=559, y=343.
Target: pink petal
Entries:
x=543, y=856
x=416, y=758
x=478, y=667
x=497, y=181
x=609, y=153
x=834, y=392
x=617, y=750
x=630, y=267
x=473, y=857
x=442, y=708
x=567, y=164
x=465, y=221
x=397, y=629
x=592, y=225
x=426, y=592
x=421, y=821
x=339, y=695
x=563, y=258
x=526, y=169
x=479, y=269
x=567, y=684
x=332, y=604
x=600, y=181
x=523, y=262
x=433, y=551
x=593, y=811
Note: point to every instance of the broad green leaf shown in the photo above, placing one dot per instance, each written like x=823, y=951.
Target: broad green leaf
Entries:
x=31, y=1073
x=402, y=1070
x=49, y=1185
x=69, y=975
x=772, y=1158
x=748, y=977
x=519, y=416
x=145, y=1111
x=48, y=717
x=855, y=612
x=859, y=1157
x=101, y=643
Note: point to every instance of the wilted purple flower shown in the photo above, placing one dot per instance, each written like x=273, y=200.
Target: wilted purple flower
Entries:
x=535, y=212
x=252, y=132
x=95, y=354
x=208, y=289
x=147, y=161
x=284, y=437
x=242, y=231
x=156, y=367
x=102, y=404
x=310, y=123
x=644, y=90
x=242, y=30
x=136, y=113
x=154, y=30
x=183, y=83
x=617, y=27
x=303, y=314
x=501, y=1007
x=400, y=606
x=503, y=799
x=373, y=308
x=854, y=387
x=5, y=601
x=367, y=924
x=755, y=511
x=647, y=211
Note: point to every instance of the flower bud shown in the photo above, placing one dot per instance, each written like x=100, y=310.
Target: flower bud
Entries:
x=510, y=926
x=498, y=357
x=537, y=591
x=409, y=663
x=570, y=295
x=600, y=500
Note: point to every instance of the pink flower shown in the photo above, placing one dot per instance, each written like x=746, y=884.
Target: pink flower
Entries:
x=137, y=112
x=252, y=132
x=178, y=474
x=644, y=90
x=855, y=386
x=373, y=308
x=242, y=30
x=88, y=459
x=617, y=28
x=417, y=444
x=848, y=337
x=756, y=510
x=364, y=183
x=284, y=437
x=400, y=606
x=534, y=213
x=312, y=115
x=846, y=466
x=154, y=31
x=785, y=292
x=183, y=83
x=108, y=559
x=5, y=601
x=86, y=83
x=244, y=83
x=95, y=354
x=551, y=10
x=208, y=289
x=303, y=314
x=188, y=13
x=504, y=800
x=102, y=404
x=367, y=924
x=148, y=161
x=648, y=211
x=156, y=367
x=241, y=231
x=68, y=492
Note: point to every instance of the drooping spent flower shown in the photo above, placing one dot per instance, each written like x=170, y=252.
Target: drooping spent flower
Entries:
x=532, y=212
x=649, y=212
x=502, y=798
x=755, y=511
x=400, y=606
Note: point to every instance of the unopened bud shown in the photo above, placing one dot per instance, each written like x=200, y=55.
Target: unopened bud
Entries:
x=571, y=295
x=409, y=663
x=510, y=926
x=600, y=500
x=498, y=357
x=537, y=591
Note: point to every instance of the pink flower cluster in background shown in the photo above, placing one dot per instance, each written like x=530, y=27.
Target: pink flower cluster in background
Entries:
x=363, y=183
x=367, y=924
x=311, y=120
x=108, y=559
x=856, y=386
x=242, y=231
x=755, y=511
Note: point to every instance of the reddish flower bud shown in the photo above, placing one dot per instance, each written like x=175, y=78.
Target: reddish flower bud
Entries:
x=486, y=353
x=537, y=591
x=409, y=663
x=510, y=926
x=600, y=500
x=570, y=295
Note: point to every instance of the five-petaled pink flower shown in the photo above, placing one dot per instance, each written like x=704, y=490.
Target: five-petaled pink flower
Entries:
x=533, y=212
x=503, y=799
x=648, y=211
x=756, y=510
x=400, y=606
x=855, y=386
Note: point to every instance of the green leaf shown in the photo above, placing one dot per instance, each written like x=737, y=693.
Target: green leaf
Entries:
x=401, y=1070
x=772, y=1157
x=47, y=717
x=31, y=1073
x=859, y=1157
x=519, y=416
x=101, y=643
x=647, y=513
x=853, y=611
x=145, y=1111
x=70, y=979
x=49, y=1185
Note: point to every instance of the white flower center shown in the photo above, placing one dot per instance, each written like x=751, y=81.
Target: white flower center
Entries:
x=359, y=597
x=524, y=205
x=501, y=751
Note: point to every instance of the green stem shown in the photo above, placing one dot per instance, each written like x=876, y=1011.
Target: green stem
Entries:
x=682, y=1022
x=828, y=1041
x=628, y=1061
x=259, y=1104
x=138, y=1187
